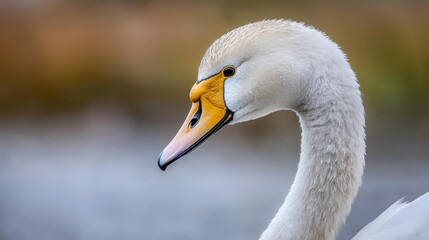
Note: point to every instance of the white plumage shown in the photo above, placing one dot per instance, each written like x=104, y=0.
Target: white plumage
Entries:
x=286, y=65
x=401, y=221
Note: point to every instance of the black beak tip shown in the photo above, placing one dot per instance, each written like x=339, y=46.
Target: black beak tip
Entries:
x=162, y=167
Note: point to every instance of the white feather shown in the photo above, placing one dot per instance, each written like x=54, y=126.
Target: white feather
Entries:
x=400, y=221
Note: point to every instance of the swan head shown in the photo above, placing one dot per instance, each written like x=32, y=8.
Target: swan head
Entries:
x=248, y=73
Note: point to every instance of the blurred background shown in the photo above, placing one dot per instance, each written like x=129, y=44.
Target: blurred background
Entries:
x=92, y=91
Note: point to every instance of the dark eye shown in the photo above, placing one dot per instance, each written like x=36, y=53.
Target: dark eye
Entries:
x=229, y=71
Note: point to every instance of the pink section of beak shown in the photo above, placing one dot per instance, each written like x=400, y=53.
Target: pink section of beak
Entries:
x=184, y=138
x=174, y=150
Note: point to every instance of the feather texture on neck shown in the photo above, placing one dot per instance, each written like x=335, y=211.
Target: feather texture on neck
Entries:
x=332, y=156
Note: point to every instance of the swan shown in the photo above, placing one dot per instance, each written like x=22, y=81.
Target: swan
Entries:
x=273, y=65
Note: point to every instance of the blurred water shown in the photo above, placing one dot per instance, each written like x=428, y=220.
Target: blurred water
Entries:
x=96, y=177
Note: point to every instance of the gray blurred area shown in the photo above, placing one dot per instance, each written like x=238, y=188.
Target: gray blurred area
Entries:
x=92, y=91
x=95, y=177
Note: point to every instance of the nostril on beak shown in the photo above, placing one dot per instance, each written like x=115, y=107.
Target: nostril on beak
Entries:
x=196, y=117
x=193, y=122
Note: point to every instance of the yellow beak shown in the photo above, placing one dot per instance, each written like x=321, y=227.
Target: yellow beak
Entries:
x=207, y=115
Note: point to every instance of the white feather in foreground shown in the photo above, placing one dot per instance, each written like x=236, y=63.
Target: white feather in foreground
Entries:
x=400, y=221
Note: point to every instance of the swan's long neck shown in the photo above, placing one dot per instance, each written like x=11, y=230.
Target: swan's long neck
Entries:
x=330, y=168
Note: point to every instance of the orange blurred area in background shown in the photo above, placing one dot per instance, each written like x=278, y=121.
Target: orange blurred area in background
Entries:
x=58, y=56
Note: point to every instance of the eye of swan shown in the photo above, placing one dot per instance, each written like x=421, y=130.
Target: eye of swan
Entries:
x=229, y=71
